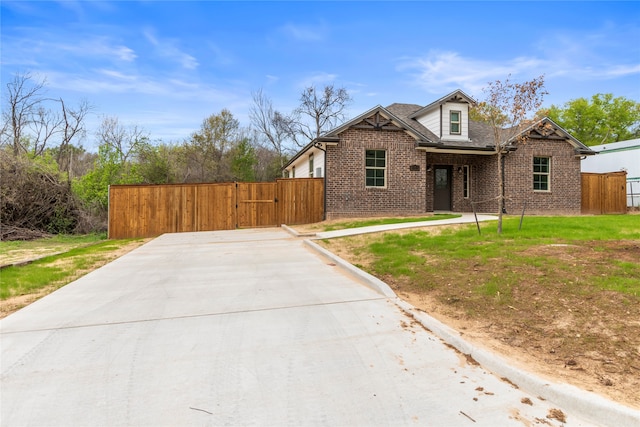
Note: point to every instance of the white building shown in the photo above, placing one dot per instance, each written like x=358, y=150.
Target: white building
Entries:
x=615, y=157
x=308, y=163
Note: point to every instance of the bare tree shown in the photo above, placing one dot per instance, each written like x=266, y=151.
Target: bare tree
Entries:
x=505, y=109
x=270, y=123
x=122, y=141
x=325, y=108
x=72, y=126
x=44, y=125
x=23, y=101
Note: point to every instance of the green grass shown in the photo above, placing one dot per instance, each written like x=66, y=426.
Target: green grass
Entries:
x=383, y=221
x=57, y=240
x=404, y=255
x=16, y=251
x=57, y=270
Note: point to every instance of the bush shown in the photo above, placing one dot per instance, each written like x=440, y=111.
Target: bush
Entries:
x=34, y=197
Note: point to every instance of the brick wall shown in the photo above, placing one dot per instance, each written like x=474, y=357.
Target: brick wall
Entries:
x=564, y=196
x=410, y=192
x=346, y=191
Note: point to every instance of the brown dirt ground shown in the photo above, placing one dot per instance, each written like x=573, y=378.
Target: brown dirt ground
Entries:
x=584, y=337
x=13, y=304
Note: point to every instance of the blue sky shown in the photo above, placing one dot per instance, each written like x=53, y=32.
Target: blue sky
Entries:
x=165, y=66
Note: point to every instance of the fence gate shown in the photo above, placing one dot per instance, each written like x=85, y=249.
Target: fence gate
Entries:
x=604, y=193
x=256, y=204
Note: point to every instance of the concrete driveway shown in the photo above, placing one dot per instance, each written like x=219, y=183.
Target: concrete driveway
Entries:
x=245, y=327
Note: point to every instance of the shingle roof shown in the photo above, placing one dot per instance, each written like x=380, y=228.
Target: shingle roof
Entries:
x=480, y=134
x=404, y=111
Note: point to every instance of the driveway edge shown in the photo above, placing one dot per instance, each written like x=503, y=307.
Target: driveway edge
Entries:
x=592, y=407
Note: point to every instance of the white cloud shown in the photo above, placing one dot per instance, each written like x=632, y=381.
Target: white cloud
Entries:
x=64, y=50
x=439, y=72
x=319, y=78
x=168, y=48
x=305, y=33
x=100, y=47
x=621, y=71
x=272, y=79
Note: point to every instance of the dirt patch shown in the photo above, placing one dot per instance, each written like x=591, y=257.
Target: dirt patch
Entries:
x=15, y=303
x=549, y=323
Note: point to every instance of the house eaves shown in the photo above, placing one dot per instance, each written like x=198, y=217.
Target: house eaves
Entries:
x=438, y=147
x=323, y=140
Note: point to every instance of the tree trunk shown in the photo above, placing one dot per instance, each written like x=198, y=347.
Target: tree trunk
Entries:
x=500, y=191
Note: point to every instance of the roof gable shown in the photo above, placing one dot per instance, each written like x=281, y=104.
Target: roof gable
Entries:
x=379, y=118
x=455, y=96
x=546, y=128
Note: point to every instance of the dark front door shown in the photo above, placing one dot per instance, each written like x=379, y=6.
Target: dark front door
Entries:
x=442, y=188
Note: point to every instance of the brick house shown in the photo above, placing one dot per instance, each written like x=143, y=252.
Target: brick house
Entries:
x=406, y=159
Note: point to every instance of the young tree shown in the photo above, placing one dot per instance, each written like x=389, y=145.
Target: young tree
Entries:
x=243, y=161
x=505, y=109
x=601, y=120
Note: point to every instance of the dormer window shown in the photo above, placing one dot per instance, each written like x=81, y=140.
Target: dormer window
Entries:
x=454, y=122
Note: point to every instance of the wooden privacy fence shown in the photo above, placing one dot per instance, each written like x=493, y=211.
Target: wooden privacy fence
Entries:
x=151, y=210
x=604, y=193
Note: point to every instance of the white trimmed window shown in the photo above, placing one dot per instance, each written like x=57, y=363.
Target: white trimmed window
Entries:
x=454, y=122
x=310, y=165
x=376, y=168
x=541, y=173
x=293, y=172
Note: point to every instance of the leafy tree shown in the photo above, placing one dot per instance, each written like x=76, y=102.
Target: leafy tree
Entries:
x=268, y=164
x=207, y=150
x=243, y=161
x=505, y=109
x=602, y=119
x=154, y=164
x=115, y=164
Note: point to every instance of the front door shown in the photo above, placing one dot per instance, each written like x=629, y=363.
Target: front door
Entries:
x=442, y=188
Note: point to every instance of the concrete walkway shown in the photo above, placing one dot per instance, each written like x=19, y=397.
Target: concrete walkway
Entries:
x=464, y=219
x=245, y=327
